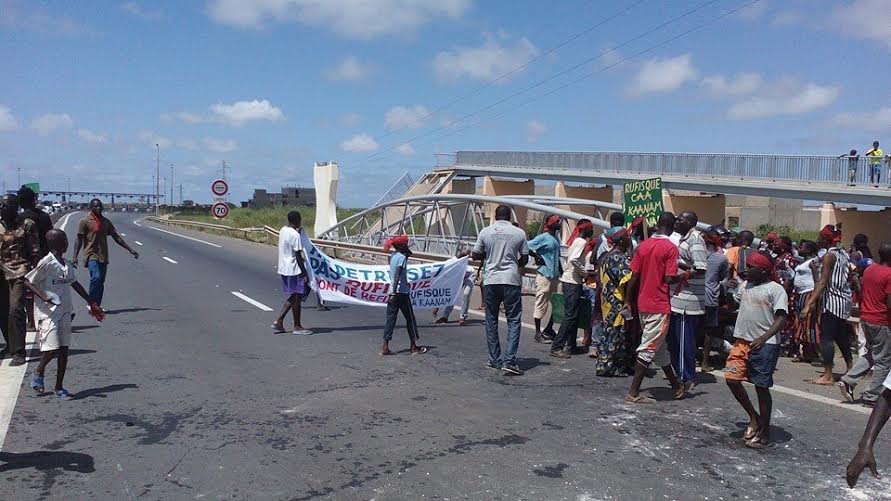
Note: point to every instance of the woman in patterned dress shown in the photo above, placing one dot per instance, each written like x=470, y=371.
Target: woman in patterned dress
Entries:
x=614, y=353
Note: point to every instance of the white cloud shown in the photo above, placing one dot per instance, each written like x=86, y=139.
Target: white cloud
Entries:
x=359, y=143
x=872, y=121
x=754, y=11
x=237, y=114
x=402, y=117
x=220, y=145
x=137, y=10
x=404, y=149
x=484, y=63
x=866, y=19
x=7, y=121
x=741, y=84
x=187, y=143
x=350, y=69
x=351, y=120
x=785, y=97
x=360, y=19
x=92, y=137
x=663, y=75
x=45, y=124
x=149, y=138
x=28, y=16
x=534, y=130
x=187, y=117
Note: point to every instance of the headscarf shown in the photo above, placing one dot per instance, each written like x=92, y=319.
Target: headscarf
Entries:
x=772, y=236
x=397, y=241
x=552, y=221
x=713, y=238
x=584, y=225
x=618, y=236
x=635, y=224
x=831, y=235
x=759, y=260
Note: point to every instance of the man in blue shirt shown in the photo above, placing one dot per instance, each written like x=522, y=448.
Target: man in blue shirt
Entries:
x=545, y=249
x=400, y=296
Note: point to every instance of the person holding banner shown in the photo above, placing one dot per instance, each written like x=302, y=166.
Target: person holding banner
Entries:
x=295, y=279
x=400, y=296
x=502, y=247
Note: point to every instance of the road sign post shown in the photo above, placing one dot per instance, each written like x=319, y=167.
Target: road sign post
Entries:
x=219, y=188
x=643, y=198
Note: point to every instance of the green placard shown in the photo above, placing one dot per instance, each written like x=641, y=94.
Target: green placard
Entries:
x=643, y=198
x=35, y=187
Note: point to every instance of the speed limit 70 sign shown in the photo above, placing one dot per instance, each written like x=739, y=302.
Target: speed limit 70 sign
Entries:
x=220, y=210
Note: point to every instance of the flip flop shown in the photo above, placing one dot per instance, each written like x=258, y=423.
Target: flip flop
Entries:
x=818, y=383
x=37, y=384
x=386, y=353
x=277, y=330
x=757, y=443
x=421, y=350
x=64, y=395
x=750, y=433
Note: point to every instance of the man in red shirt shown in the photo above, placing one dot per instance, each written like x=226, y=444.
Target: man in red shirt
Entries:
x=653, y=269
x=875, y=289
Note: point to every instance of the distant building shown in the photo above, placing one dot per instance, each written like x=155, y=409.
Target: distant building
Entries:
x=289, y=197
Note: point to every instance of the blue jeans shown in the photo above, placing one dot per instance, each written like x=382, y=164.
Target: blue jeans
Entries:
x=97, y=280
x=494, y=295
x=682, y=344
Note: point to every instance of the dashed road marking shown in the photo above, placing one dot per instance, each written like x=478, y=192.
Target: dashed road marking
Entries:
x=165, y=258
x=64, y=221
x=186, y=237
x=251, y=301
x=10, y=384
x=137, y=242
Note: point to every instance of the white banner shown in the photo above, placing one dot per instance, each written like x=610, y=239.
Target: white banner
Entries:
x=433, y=285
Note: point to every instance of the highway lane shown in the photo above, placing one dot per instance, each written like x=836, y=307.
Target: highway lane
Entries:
x=185, y=392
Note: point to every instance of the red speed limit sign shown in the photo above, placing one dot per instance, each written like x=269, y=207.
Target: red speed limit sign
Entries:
x=220, y=210
x=219, y=187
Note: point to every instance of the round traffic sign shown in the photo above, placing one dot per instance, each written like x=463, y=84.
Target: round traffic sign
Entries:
x=220, y=210
x=219, y=187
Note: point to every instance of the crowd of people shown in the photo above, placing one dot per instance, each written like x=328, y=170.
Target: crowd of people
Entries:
x=36, y=283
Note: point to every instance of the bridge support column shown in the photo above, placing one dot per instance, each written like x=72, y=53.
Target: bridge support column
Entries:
x=603, y=194
x=874, y=224
x=500, y=187
x=709, y=207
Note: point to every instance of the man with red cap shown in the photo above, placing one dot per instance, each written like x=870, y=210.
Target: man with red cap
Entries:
x=581, y=243
x=400, y=295
x=545, y=249
x=834, y=292
x=763, y=307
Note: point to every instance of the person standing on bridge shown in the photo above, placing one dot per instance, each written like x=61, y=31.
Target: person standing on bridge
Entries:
x=502, y=248
x=834, y=291
x=875, y=155
x=688, y=299
x=292, y=269
x=653, y=269
x=400, y=296
x=19, y=253
x=581, y=243
x=545, y=249
x=853, y=159
x=92, y=235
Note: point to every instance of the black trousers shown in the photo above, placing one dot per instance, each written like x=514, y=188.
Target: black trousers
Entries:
x=14, y=319
x=403, y=304
x=834, y=330
x=566, y=337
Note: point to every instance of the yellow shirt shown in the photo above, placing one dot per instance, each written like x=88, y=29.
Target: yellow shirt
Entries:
x=876, y=154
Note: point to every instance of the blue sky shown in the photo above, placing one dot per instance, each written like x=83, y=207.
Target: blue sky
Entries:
x=270, y=86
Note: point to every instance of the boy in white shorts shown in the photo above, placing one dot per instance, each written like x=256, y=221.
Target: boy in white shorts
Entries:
x=51, y=281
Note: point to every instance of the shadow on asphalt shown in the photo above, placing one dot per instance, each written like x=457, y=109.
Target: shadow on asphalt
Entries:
x=78, y=328
x=528, y=364
x=47, y=460
x=130, y=310
x=104, y=390
x=778, y=435
x=70, y=353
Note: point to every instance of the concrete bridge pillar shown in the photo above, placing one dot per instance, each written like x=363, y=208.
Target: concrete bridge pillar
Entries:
x=874, y=224
x=500, y=187
x=603, y=194
x=461, y=224
x=709, y=207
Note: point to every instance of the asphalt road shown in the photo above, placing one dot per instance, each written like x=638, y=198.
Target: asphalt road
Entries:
x=184, y=392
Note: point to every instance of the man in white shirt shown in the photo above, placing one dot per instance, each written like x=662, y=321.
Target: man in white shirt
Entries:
x=573, y=278
x=292, y=269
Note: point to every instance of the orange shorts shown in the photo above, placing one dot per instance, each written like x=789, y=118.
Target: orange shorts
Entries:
x=757, y=367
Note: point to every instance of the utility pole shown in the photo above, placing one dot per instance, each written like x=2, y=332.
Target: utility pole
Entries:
x=20, y=175
x=180, y=192
x=172, y=198
x=158, y=182
x=165, y=186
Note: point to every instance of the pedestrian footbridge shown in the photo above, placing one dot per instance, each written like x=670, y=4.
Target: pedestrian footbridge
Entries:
x=804, y=177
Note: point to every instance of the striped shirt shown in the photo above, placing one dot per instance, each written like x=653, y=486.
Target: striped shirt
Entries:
x=837, y=298
x=689, y=297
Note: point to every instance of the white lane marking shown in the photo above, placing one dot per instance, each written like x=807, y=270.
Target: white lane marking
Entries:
x=64, y=221
x=779, y=389
x=10, y=384
x=123, y=234
x=186, y=237
x=165, y=258
x=137, y=242
x=137, y=223
x=251, y=301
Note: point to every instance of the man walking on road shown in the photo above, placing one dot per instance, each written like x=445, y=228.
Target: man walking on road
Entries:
x=688, y=300
x=502, y=247
x=545, y=249
x=92, y=235
x=400, y=296
x=28, y=202
x=292, y=269
x=19, y=252
x=653, y=269
x=875, y=318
